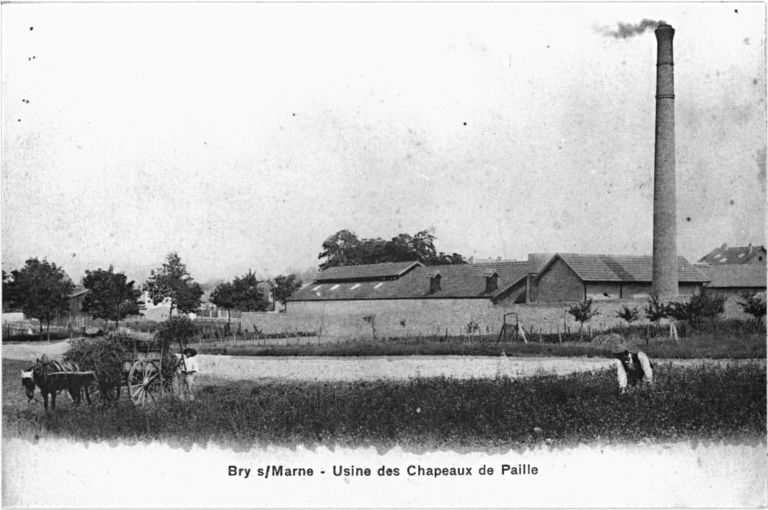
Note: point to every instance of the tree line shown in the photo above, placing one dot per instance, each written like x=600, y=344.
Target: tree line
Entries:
x=345, y=248
x=42, y=290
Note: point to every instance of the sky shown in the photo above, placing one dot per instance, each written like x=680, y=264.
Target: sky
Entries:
x=242, y=135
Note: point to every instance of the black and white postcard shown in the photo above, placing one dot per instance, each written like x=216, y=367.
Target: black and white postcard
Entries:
x=383, y=254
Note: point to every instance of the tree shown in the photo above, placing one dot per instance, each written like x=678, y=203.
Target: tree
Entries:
x=628, y=314
x=338, y=249
x=754, y=305
x=110, y=295
x=656, y=310
x=344, y=248
x=283, y=286
x=172, y=281
x=41, y=290
x=244, y=293
x=223, y=296
x=9, y=298
x=371, y=320
x=582, y=312
x=708, y=305
x=249, y=293
x=703, y=305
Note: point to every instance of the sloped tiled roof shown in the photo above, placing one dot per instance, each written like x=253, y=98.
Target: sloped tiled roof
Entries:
x=78, y=292
x=735, y=275
x=732, y=255
x=456, y=281
x=623, y=268
x=367, y=271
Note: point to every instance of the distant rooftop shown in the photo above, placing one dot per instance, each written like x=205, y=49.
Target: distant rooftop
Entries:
x=383, y=271
x=734, y=255
x=623, y=268
x=456, y=281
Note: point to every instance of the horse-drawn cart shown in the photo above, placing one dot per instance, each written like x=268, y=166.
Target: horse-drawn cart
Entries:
x=141, y=372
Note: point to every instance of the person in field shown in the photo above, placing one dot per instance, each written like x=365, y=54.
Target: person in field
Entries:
x=187, y=367
x=632, y=369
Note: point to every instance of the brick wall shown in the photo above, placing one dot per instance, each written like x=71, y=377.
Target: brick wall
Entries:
x=598, y=291
x=559, y=283
x=688, y=289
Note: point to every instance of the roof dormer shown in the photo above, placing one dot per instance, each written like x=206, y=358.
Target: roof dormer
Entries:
x=491, y=281
x=434, y=282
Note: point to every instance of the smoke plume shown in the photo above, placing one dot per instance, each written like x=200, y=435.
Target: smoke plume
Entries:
x=627, y=30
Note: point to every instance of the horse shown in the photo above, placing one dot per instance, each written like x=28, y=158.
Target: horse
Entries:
x=53, y=376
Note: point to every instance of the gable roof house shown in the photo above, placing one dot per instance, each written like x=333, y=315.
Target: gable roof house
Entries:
x=575, y=277
x=726, y=255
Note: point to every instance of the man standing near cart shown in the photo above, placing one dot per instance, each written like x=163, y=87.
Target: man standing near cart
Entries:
x=187, y=368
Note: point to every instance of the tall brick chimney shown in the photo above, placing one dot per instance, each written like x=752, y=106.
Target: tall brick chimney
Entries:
x=664, y=201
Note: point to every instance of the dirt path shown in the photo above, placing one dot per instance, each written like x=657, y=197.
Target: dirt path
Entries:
x=404, y=367
x=30, y=351
x=328, y=368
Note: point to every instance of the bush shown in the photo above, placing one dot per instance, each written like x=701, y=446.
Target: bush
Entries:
x=629, y=314
x=700, y=306
x=176, y=329
x=656, y=309
x=104, y=355
x=754, y=305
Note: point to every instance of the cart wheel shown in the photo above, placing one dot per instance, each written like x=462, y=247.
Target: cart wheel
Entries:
x=91, y=392
x=103, y=393
x=143, y=382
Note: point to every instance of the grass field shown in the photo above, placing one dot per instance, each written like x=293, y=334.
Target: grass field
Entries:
x=722, y=346
x=727, y=403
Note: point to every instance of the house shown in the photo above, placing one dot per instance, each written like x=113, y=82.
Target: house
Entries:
x=735, y=279
x=735, y=255
x=575, y=277
x=494, y=283
x=75, y=317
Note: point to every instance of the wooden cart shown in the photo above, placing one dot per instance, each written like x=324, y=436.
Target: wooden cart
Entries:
x=141, y=374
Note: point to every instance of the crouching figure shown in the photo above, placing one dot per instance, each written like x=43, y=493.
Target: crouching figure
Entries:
x=633, y=368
